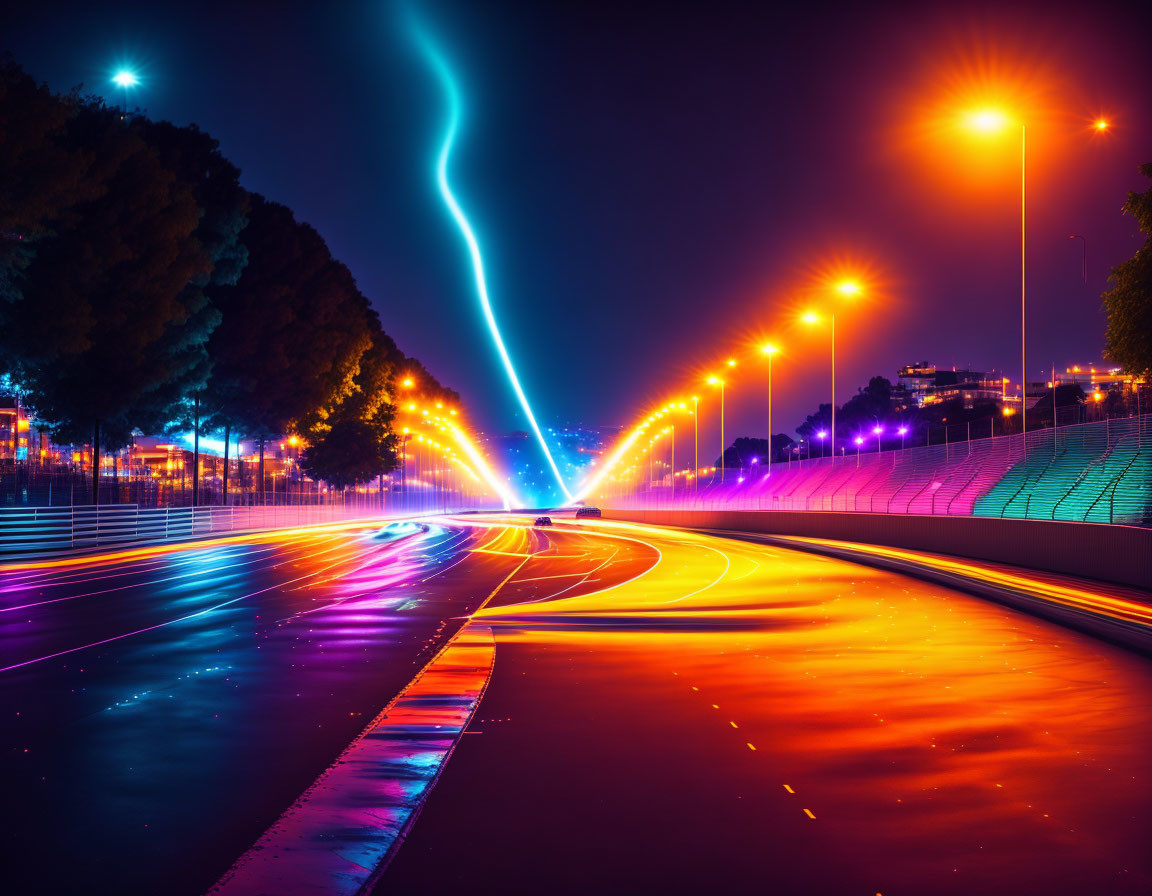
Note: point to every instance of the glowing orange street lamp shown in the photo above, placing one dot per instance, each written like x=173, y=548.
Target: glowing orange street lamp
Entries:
x=696, y=442
x=850, y=289
x=990, y=121
x=716, y=381
x=769, y=351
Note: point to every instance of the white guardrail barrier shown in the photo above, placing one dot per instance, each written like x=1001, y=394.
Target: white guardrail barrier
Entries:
x=28, y=531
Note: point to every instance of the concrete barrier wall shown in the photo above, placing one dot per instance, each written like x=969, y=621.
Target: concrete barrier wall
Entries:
x=1118, y=554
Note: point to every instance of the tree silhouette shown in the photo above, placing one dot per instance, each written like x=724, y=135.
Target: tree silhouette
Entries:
x=195, y=157
x=102, y=334
x=1128, y=303
x=293, y=328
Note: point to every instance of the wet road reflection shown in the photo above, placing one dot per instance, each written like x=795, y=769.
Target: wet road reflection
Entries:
x=162, y=706
x=744, y=713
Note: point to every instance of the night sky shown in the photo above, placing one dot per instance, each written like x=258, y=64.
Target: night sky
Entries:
x=656, y=185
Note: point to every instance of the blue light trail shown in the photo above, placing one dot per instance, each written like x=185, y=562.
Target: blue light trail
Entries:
x=439, y=64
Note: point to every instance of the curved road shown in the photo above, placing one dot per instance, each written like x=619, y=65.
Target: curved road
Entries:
x=663, y=710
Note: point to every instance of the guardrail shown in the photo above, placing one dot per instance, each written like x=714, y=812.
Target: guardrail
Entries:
x=29, y=531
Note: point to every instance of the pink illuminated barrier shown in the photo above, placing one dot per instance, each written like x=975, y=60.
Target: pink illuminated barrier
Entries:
x=1094, y=472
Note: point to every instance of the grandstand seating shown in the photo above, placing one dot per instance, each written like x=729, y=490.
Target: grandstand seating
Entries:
x=1096, y=472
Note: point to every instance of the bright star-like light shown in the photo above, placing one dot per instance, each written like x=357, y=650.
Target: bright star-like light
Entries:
x=987, y=121
x=125, y=78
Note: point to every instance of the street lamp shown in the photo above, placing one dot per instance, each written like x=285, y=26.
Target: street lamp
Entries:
x=822, y=435
x=769, y=351
x=877, y=431
x=848, y=288
x=716, y=381
x=990, y=121
x=902, y=431
x=859, y=441
x=125, y=79
x=695, y=443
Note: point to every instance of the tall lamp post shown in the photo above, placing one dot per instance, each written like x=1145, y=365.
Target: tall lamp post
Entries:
x=989, y=121
x=695, y=443
x=847, y=288
x=717, y=381
x=769, y=351
x=125, y=79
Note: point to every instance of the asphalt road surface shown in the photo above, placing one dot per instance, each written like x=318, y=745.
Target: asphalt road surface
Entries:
x=666, y=711
x=751, y=719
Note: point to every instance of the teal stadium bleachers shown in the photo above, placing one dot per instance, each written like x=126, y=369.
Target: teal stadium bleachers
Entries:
x=1096, y=472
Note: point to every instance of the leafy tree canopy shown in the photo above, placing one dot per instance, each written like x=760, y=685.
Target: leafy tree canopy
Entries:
x=293, y=327
x=353, y=441
x=98, y=326
x=1128, y=303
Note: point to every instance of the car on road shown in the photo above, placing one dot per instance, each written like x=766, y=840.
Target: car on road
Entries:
x=543, y=521
x=587, y=512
